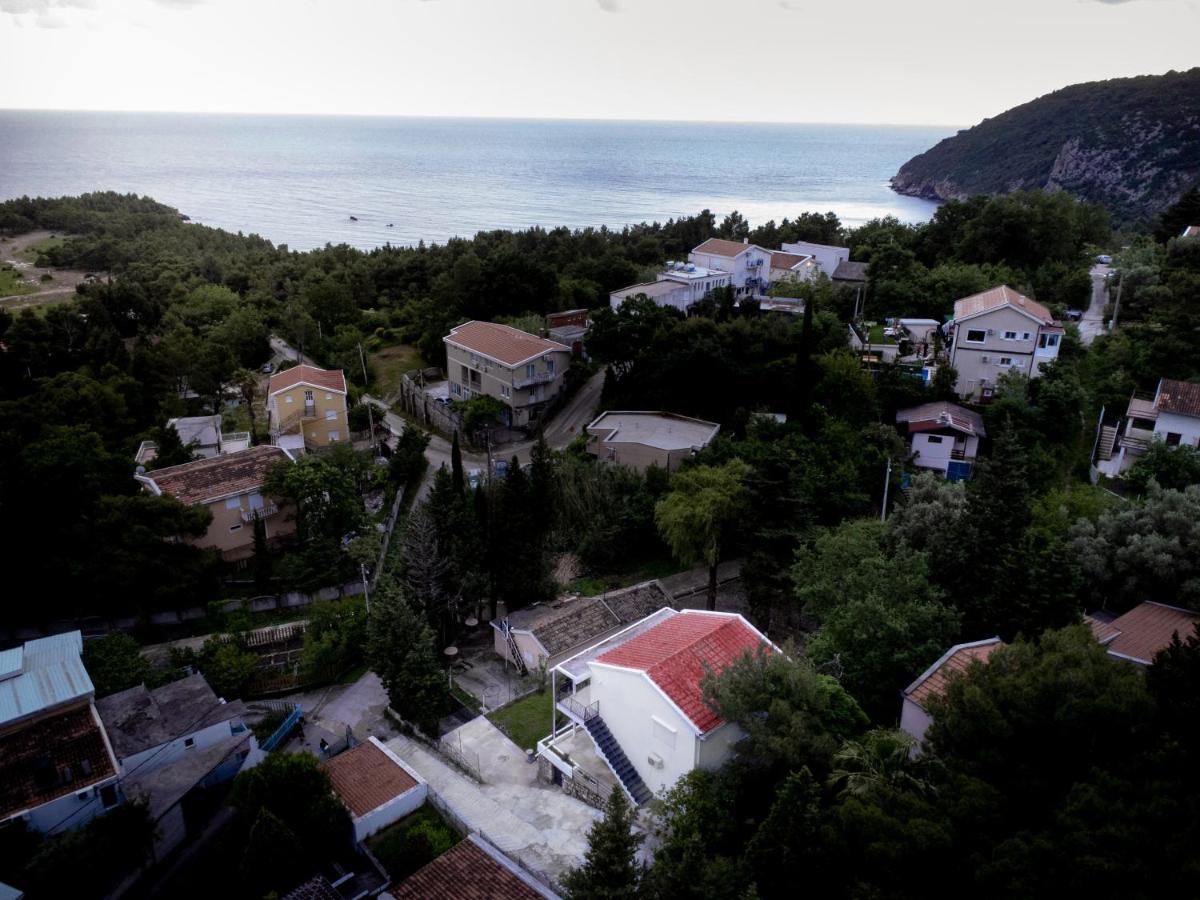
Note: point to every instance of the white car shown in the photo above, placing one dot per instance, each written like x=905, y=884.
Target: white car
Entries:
x=1104, y=259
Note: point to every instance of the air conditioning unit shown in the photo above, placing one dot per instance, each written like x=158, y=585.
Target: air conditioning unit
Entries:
x=655, y=760
x=985, y=359
x=85, y=794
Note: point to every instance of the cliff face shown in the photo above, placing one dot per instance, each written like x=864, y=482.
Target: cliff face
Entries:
x=1132, y=144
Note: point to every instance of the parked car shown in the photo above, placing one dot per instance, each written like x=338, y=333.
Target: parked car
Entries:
x=500, y=468
x=1104, y=259
x=1074, y=314
x=267, y=368
x=474, y=477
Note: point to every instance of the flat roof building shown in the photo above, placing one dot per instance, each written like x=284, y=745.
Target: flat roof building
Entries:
x=640, y=439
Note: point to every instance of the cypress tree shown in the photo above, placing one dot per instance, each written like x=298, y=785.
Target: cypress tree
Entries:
x=610, y=870
x=456, y=465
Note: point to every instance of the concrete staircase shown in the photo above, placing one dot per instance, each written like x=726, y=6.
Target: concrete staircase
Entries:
x=1108, y=437
x=612, y=754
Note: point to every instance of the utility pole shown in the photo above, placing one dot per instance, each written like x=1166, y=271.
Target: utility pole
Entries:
x=887, y=482
x=1117, y=305
x=366, y=592
x=370, y=415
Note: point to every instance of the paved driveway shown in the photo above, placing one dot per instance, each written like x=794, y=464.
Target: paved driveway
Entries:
x=1092, y=323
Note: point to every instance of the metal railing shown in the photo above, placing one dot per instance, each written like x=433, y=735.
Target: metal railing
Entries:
x=263, y=512
x=279, y=734
x=573, y=707
x=543, y=378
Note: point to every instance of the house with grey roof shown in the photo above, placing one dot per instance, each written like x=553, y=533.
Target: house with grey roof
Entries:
x=544, y=634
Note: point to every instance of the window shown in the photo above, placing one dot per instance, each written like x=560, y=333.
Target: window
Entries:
x=233, y=528
x=1143, y=424
x=1173, y=439
x=1010, y=335
x=329, y=396
x=549, y=367
x=233, y=503
x=288, y=398
x=1025, y=335
x=530, y=370
x=256, y=501
x=108, y=796
x=237, y=727
x=330, y=415
x=1046, y=341
x=466, y=374
x=334, y=437
x=934, y=438
x=456, y=389
x=1006, y=360
x=976, y=336
x=189, y=743
x=505, y=392
x=308, y=397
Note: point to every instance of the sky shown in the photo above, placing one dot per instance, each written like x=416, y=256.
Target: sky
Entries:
x=920, y=62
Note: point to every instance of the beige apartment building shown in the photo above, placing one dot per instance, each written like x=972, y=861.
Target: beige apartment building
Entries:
x=1000, y=331
x=521, y=370
x=231, y=486
x=306, y=408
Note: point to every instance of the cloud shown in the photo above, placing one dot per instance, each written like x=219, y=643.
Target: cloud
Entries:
x=611, y=6
x=791, y=6
x=50, y=20
x=20, y=7
x=180, y=4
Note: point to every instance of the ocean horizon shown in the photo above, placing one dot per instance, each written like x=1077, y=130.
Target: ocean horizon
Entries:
x=298, y=179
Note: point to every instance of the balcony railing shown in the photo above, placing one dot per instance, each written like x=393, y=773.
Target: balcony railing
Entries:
x=573, y=707
x=957, y=453
x=265, y=511
x=543, y=378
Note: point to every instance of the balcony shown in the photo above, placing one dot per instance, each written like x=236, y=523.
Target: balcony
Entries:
x=265, y=512
x=577, y=709
x=543, y=378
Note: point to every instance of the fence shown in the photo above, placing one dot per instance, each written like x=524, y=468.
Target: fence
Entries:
x=465, y=758
x=418, y=404
x=280, y=734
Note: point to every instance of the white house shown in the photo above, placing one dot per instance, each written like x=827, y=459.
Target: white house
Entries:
x=748, y=265
x=827, y=257
x=1172, y=416
x=680, y=285
x=1000, y=331
x=57, y=768
x=914, y=713
x=375, y=785
x=943, y=437
x=637, y=695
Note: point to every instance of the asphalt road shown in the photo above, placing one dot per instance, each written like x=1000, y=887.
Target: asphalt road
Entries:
x=1092, y=323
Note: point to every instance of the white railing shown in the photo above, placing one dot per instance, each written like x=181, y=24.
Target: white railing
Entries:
x=265, y=511
x=544, y=378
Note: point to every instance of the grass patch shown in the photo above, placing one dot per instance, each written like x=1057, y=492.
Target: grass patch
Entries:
x=389, y=364
x=466, y=698
x=31, y=252
x=417, y=839
x=12, y=282
x=876, y=335
x=527, y=721
x=354, y=674
x=622, y=576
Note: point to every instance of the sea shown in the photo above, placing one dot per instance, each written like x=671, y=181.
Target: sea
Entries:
x=306, y=181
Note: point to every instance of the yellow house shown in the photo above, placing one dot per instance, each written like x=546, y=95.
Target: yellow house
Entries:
x=231, y=486
x=306, y=407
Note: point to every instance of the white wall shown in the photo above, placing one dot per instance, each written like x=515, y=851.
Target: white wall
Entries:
x=828, y=257
x=396, y=808
x=1188, y=427
x=68, y=812
x=630, y=706
x=717, y=747
x=914, y=720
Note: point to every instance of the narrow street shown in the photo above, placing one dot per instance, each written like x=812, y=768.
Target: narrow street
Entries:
x=1092, y=323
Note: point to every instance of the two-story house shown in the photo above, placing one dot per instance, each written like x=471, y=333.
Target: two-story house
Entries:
x=635, y=698
x=231, y=486
x=57, y=768
x=826, y=257
x=306, y=408
x=1171, y=415
x=521, y=370
x=943, y=437
x=748, y=265
x=681, y=285
x=1000, y=331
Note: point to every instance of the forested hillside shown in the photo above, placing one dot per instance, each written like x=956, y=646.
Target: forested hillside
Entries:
x=1132, y=144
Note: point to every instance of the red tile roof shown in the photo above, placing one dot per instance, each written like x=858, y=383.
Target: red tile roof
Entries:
x=205, y=480
x=1182, y=397
x=781, y=260
x=329, y=379
x=366, y=778
x=467, y=872
x=674, y=653
x=722, y=247
x=1146, y=629
x=997, y=297
x=510, y=346
x=932, y=682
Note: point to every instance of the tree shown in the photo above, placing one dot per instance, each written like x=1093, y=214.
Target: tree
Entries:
x=610, y=869
x=696, y=517
x=1173, y=468
x=228, y=666
x=426, y=571
x=401, y=651
x=273, y=855
x=114, y=663
x=456, y=465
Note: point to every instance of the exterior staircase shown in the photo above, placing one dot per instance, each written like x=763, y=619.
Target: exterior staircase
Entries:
x=515, y=651
x=1108, y=437
x=612, y=753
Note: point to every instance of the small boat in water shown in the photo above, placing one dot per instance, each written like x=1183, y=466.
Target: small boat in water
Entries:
x=354, y=218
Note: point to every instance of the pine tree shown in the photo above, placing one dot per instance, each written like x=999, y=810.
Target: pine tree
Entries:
x=610, y=870
x=426, y=570
x=400, y=647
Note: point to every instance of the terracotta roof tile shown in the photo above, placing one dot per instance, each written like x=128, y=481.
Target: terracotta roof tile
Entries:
x=722, y=247
x=1148, y=628
x=219, y=476
x=674, y=653
x=329, y=379
x=510, y=346
x=787, y=261
x=955, y=661
x=997, y=297
x=466, y=872
x=1182, y=397
x=366, y=778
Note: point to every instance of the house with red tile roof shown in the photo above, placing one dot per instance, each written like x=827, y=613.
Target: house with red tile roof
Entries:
x=375, y=785
x=1139, y=634
x=943, y=437
x=231, y=486
x=471, y=870
x=997, y=331
x=1171, y=415
x=638, y=696
x=306, y=408
x=914, y=713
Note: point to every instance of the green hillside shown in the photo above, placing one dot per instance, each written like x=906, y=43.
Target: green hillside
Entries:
x=1132, y=144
